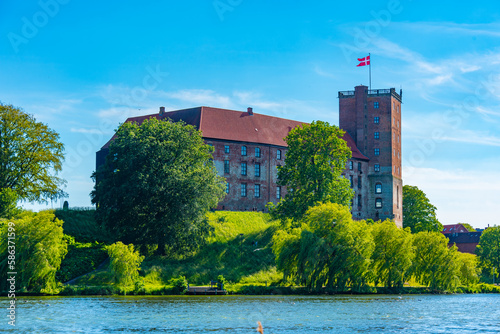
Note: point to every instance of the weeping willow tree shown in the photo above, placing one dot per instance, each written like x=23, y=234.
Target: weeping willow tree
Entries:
x=393, y=253
x=436, y=265
x=39, y=250
x=328, y=249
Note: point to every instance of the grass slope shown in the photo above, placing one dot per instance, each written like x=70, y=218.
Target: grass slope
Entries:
x=81, y=224
x=239, y=249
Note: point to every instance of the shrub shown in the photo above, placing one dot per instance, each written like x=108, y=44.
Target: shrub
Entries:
x=125, y=262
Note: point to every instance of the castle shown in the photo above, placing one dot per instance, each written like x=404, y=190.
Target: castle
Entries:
x=248, y=148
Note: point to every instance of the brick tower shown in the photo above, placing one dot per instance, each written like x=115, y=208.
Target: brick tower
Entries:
x=373, y=119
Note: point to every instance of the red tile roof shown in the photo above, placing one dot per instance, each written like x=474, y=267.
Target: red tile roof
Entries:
x=216, y=123
x=454, y=228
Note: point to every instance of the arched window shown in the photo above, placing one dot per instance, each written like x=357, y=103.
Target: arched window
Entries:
x=378, y=188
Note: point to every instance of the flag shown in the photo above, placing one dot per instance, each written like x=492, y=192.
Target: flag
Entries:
x=364, y=61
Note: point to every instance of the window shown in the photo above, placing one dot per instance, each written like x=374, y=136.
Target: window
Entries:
x=256, y=190
x=378, y=188
x=376, y=135
x=226, y=166
x=278, y=154
x=226, y=149
x=257, y=152
x=377, y=151
x=351, y=181
x=375, y=105
x=359, y=201
x=243, y=150
x=278, y=192
x=257, y=170
x=397, y=196
x=359, y=166
x=376, y=120
x=378, y=203
x=359, y=182
x=376, y=167
x=227, y=187
x=351, y=165
x=243, y=168
x=243, y=190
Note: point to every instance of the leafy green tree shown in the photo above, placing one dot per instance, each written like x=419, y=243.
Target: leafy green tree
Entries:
x=39, y=250
x=316, y=157
x=125, y=263
x=469, y=268
x=8, y=201
x=435, y=264
x=469, y=227
x=156, y=186
x=393, y=253
x=418, y=212
x=328, y=249
x=29, y=153
x=488, y=249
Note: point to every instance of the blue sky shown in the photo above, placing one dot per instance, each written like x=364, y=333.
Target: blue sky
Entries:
x=84, y=67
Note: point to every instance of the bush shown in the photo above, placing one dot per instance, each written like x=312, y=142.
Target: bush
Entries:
x=179, y=285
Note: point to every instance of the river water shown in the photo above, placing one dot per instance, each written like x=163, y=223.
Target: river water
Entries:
x=239, y=314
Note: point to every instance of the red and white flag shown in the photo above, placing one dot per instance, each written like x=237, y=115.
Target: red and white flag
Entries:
x=364, y=61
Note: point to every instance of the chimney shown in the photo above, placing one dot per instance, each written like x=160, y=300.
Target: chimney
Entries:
x=250, y=111
x=162, y=111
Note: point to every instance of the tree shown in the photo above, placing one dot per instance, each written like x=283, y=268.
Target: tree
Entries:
x=469, y=268
x=393, y=253
x=435, y=264
x=125, y=263
x=156, y=185
x=469, y=227
x=29, y=153
x=316, y=157
x=328, y=249
x=488, y=249
x=39, y=250
x=418, y=213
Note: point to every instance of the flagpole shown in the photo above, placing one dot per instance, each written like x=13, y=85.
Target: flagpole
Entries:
x=370, y=70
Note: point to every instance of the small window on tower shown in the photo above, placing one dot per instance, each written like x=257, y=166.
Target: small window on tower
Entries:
x=378, y=188
x=227, y=187
x=377, y=151
x=378, y=203
x=376, y=120
x=376, y=167
x=376, y=135
x=351, y=165
x=278, y=154
x=375, y=105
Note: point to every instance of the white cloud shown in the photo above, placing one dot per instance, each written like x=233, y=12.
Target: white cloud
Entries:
x=460, y=195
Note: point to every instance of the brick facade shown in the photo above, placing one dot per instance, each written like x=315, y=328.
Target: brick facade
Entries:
x=373, y=119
